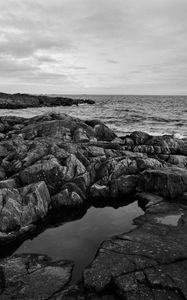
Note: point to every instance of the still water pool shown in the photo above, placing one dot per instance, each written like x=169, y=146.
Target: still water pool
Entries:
x=79, y=240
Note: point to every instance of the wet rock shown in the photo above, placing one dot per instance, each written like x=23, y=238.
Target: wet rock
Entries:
x=33, y=277
x=167, y=182
x=147, y=199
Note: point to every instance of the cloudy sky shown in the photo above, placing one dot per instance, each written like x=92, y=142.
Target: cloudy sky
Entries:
x=93, y=46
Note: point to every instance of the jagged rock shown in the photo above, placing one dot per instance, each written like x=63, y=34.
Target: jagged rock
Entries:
x=79, y=159
x=30, y=276
x=19, y=208
x=167, y=182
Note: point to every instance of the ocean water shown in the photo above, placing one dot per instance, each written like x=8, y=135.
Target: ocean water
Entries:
x=124, y=114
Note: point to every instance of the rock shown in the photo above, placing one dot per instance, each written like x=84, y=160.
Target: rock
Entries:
x=19, y=208
x=3, y=151
x=96, y=151
x=99, y=192
x=2, y=136
x=117, y=140
x=9, y=184
x=124, y=185
x=139, y=137
x=125, y=166
x=2, y=173
x=167, y=143
x=36, y=200
x=147, y=199
x=66, y=198
x=16, y=101
x=179, y=160
x=30, y=276
x=2, y=128
x=103, y=133
x=167, y=182
x=147, y=263
x=80, y=136
x=148, y=163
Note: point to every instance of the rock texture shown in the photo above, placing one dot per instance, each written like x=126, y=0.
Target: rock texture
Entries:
x=16, y=101
x=148, y=263
x=54, y=161
x=33, y=277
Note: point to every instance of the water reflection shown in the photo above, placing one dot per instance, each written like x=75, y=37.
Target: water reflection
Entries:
x=79, y=240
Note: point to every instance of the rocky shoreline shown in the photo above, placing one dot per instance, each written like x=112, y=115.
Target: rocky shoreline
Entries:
x=53, y=162
x=17, y=101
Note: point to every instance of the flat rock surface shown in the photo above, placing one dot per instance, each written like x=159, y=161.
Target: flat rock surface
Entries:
x=147, y=263
x=33, y=277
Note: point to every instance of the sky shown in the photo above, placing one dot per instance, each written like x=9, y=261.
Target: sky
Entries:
x=93, y=46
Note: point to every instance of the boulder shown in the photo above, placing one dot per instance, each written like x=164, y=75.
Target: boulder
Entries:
x=139, y=137
x=167, y=182
x=103, y=133
x=22, y=207
x=98, y=191
x=179, y=160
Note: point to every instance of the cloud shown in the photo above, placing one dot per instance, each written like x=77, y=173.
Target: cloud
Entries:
x=86, y=46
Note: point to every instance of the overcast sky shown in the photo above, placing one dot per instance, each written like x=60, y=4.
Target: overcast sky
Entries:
x=93, y=46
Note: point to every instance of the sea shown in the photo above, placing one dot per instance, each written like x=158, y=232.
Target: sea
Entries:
x=125, y=113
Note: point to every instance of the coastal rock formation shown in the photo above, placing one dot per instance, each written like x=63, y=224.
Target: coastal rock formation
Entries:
x=53, y=161
x=16, y=101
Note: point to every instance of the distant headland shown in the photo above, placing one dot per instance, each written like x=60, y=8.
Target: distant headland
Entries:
x=16, y=101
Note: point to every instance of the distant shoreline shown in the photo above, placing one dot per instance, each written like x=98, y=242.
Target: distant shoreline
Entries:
x=16, y=101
